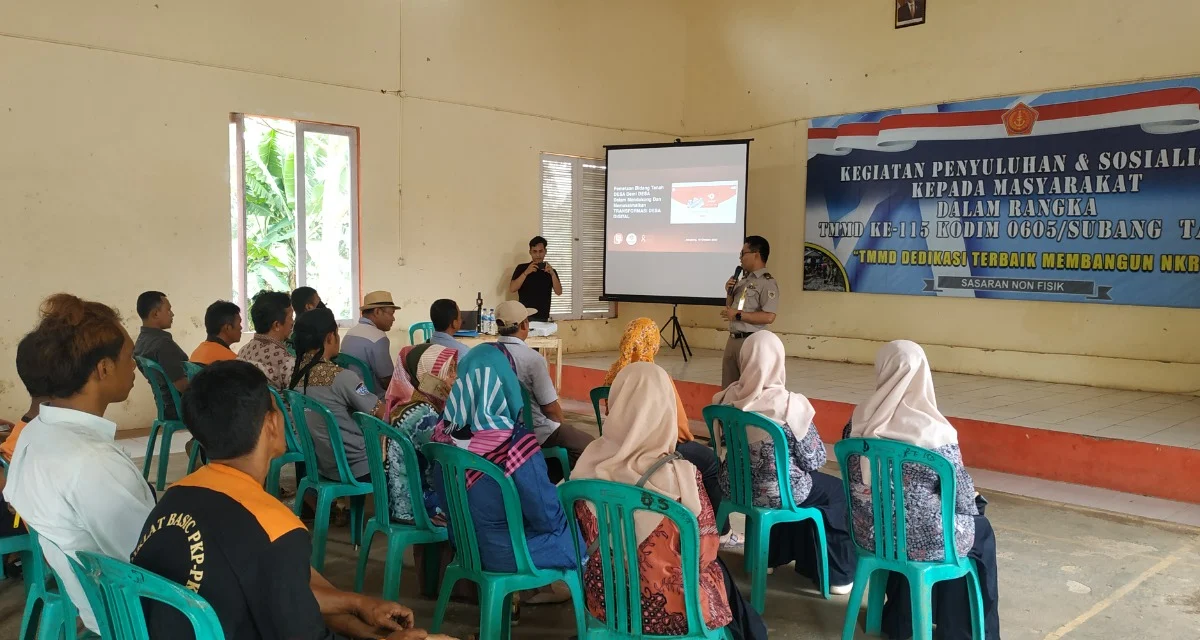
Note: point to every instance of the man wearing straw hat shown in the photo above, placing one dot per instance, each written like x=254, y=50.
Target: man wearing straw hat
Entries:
x=368, y=340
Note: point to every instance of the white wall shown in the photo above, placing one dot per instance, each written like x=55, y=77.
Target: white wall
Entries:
x=116, y=118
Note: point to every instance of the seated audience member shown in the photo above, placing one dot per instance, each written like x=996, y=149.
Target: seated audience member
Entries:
x=303, y=299
x=68, y=479
x=223, y=323
x=155, y=343
x=762, y=389
x=512, y=321
x=255, y=572
x=485, y=418
x=415, y=401
x=639, y=447
x=904, y=408
x=368, y=340
x=640, y=343
x=447, y=320
x=37, y=396
x=340, y=390
x=271, y=314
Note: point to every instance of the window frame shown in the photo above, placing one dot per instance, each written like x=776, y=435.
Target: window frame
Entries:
x=238, y=158
x=576, y=228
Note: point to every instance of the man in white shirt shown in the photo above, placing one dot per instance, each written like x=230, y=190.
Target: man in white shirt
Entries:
x=512, y=323
x=68, y=479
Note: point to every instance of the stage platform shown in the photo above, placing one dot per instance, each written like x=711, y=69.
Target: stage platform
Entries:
x=1127, y=441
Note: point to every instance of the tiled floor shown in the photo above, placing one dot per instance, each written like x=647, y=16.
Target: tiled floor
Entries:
x=1156, y=418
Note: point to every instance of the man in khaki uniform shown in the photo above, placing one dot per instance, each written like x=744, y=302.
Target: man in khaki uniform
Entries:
x=750, y=305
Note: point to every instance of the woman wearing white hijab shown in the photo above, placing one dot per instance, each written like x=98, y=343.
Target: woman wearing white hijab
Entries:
x=762, y=389
x=904, y=408
x=641, y=430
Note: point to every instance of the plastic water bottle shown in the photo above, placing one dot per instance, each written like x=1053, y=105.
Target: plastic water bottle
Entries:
x=491, y=320
x=485, y=323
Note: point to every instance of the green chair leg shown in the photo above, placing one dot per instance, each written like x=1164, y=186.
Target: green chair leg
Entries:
x=357, y=509
x=559, y=454
x=321, y=529
x=975, y=593
x=757, y=564
x=393, y=567
x=921, y=595
x=494, y=618
x=164, y=458
x=150, y=441
x=439, y=613
x=854, y=605
x=195, y=457
x=360, y=572
x=819, y=523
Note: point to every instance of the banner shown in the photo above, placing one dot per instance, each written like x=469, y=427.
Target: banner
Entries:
x=1089, y=195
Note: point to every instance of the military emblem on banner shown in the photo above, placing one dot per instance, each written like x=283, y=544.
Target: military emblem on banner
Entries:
x=1019, y=120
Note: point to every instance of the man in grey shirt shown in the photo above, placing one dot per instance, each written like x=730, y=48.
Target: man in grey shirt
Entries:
x=512, y=322
x=155, y=343
x=368, y=340
x=447, y=320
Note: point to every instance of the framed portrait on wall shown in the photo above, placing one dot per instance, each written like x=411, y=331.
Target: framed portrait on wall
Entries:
x=910, y=13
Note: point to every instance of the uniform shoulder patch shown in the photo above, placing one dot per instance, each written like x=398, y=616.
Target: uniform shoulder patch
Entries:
x=768, y=276
x=771, y=294
x=361, y=389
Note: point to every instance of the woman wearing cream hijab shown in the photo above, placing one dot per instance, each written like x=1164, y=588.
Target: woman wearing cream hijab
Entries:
x=639, y=433
x=762, y=389
x=904, y=408
x=640, y=343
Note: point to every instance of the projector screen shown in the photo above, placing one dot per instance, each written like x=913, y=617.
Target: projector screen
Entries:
x=675, y=220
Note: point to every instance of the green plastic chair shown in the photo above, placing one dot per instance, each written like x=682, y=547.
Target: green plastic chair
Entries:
x=886, y=459
x=559, y=454
x=426, y=329
x=615, y=505
x=161, y=425
x=192, y=369
x=598, y=394
x=347, y=361
x=760, y=520
x=116, y=589
x=49, y=613
x=399, y=536
x=327, y=490
x=293, y=453
x=495, y=589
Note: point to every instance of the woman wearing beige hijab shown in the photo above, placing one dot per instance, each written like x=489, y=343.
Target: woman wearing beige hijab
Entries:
x=904, y=408
x=640, y=432
x=762, y=389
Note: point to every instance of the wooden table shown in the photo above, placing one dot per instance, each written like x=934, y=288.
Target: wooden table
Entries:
x=542, y=344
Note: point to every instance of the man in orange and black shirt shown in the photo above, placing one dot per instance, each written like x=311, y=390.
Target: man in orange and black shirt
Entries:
x=218, y=533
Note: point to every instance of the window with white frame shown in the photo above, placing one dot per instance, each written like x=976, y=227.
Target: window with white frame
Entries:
x=294, y=203
x=573, y=225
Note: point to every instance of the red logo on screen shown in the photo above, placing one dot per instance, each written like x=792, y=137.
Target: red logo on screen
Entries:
x=1019, y=120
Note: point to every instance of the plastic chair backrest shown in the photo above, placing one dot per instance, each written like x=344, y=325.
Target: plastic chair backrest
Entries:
x=426, y=329
x=735, y=424
x=886, y=459
x=373, y=429
x=158, y=382
x=527, y=410
x=115, y=589
x=301, y=405
x=289, y=430
x=615, y=505
x=455, y=463
x=192, y=369
x=347, y=361
x=598, y=394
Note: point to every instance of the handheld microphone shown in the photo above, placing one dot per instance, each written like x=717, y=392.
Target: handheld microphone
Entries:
x=737, y=273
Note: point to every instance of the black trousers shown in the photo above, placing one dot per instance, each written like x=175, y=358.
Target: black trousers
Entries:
x=705, y=459
x=746, y=624
x=951, y=604
x=797, y=541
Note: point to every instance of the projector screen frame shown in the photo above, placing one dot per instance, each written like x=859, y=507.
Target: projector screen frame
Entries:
x=672, y=300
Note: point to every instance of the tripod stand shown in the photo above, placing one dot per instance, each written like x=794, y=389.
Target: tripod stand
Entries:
x=677, y=340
